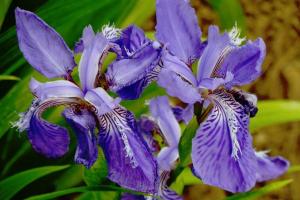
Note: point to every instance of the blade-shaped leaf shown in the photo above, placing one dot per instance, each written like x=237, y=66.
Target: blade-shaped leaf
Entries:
x=261, y=191
x=13, y=184
x=98, y=172
x=4, y=5
x=54, y=195
x=8, y=78
x=272, y=112
x=186, y=177
x=185, y=143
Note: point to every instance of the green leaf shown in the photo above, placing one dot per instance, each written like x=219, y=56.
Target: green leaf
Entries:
x=13, y=184
x=186, y=177
x=294, y=168
x=8, y=78
x=69, y=178
x=21, y=151
x=272, y=112
x=260, y=191
x=4, y=5
x=143, y=10
x=60, y=193
x=103, y=195
x=98, y=172
x=230, y=12
x=185, y=143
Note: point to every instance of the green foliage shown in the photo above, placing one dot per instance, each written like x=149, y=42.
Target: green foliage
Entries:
x=272, y=112
x=97, y=173
x=8, y=78
x=229, y=12
x=185, y=143
x=4, y=5
x=254, y=194
x=13, y=184
x=186, y=177
x=83, y=189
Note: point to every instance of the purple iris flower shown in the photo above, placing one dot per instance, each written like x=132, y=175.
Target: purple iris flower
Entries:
x=88, y=108
x=164, y=123
x=222, y=152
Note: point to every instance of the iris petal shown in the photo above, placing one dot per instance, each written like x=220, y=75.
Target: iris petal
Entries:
x=130, y=76
x=90, y=61
x=245, y=62
x=270, y=167
x=164, y=191
x=184, y=114
x=54, y=89
x=102, y=102
x=217, y=48
x=130, y=163
x=131, y=40
x=222, y=152
x=42, y=46
x=83, y=124
x=177, y=86
x=177, y=27
x=87, y=37
x=165, y=118
x=47, y=138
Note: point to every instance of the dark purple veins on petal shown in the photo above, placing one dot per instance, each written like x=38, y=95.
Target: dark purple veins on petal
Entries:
x=83, y=124
x=222, y=152
x=130, y=162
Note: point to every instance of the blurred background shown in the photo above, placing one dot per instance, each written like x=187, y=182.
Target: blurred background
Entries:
x=276, y=128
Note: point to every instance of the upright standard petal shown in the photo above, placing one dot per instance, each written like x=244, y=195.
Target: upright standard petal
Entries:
x=87, y=37
x=42, y=46
x=165, y=118
x=245, y=62
x=218, y=46
x=130, y=163
x=177, y=27
x=83, y=124
x=90, y=61
x=131, y=40
x=222, y=152
x=47, y=138
x=55, y=89
x=102, y=102
x=270, y=167
x=128, y=77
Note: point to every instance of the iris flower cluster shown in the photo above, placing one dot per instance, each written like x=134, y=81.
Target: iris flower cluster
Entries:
x=222, y=151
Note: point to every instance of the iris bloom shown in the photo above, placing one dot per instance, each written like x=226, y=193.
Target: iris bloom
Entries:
x=88, y=108
x=164, y=123
x=222, y=152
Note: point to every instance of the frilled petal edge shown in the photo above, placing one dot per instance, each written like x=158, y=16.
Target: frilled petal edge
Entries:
x=130, y=162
